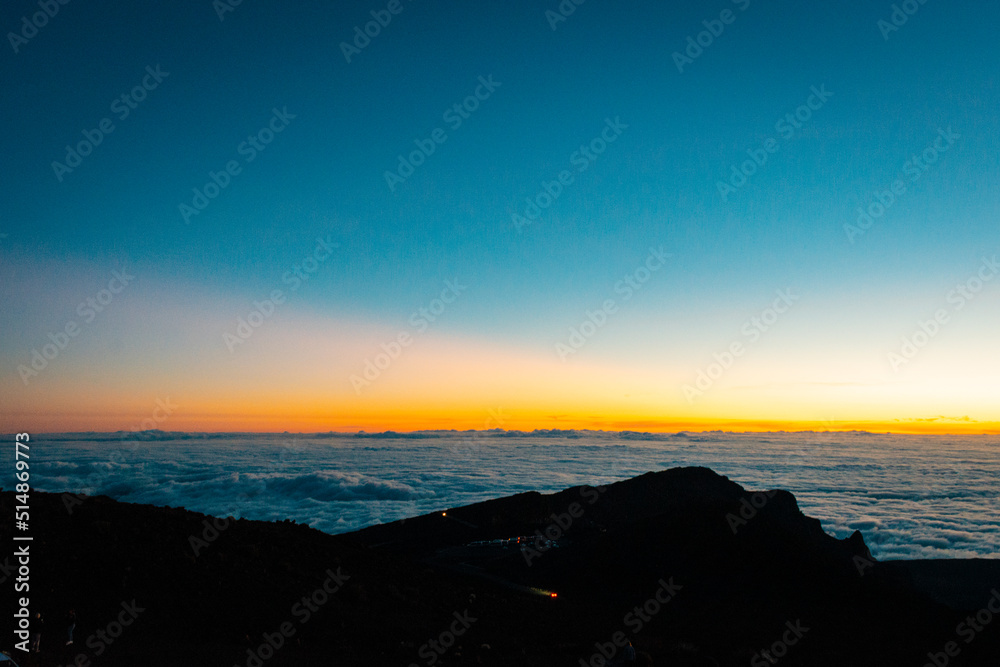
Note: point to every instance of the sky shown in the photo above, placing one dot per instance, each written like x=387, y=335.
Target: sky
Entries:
x=646, y=216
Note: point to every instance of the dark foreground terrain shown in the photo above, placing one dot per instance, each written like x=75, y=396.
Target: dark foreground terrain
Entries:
x=688, y=565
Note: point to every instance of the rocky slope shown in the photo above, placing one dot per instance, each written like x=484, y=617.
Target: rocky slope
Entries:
x=688, y=565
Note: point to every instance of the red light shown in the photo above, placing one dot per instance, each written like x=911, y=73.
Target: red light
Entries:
x=553, y=595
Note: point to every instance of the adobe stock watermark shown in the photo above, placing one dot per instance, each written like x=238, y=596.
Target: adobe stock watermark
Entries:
x=968, y=630
x=248, y=150
x=122, y=106
x=779, y=649
x=432, y=650
x=295, y=277
x=899, y=16
x=752, y=330
x=559, y=524
x=562, y=12
x=130, y=441
x=913, y=169
x=31, y=24
x=748, y=509
x=581, y=159
x=381, y=18
x=786, y=127
x=212, y=527
x=102, y=639
x=454, y=116
x=87, y=310
x=223, y=7
x=636, y=620
x=928, y=329
x=302, y=611
x=421, y=321
x=696, y=44
x=627, y=287
x=472, y=445
x=162, y=411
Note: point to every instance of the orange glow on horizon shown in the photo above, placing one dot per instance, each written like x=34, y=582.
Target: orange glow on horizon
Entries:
x=402, y=421
x=299, y=379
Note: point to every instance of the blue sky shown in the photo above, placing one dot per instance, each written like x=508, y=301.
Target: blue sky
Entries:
x=323, y=175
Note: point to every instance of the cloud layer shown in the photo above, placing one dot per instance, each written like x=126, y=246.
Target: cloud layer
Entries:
x=911, y=496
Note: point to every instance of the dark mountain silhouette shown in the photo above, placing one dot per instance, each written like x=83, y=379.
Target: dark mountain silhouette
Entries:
x=690, y=566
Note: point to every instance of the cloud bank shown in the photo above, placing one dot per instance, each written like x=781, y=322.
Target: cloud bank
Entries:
x=911, y=496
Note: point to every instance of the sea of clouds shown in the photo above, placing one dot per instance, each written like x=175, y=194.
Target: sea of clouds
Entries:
x=911, y=496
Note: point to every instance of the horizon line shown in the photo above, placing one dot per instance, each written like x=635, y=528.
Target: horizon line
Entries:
x=503, y=430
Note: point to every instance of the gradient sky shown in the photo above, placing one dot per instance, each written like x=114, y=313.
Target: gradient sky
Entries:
x=825, y=363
